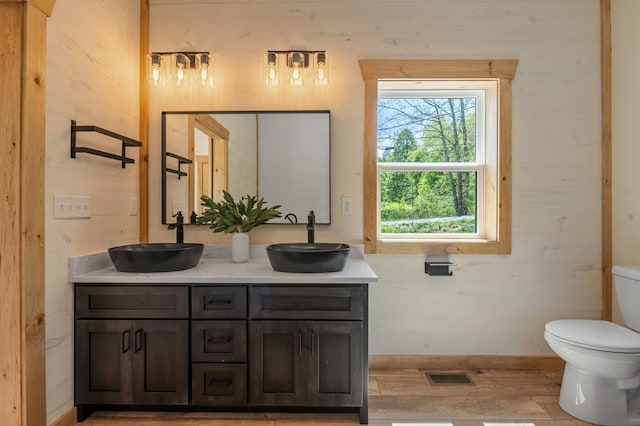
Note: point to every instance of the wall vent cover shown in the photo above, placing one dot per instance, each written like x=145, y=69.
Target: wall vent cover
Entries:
x=449, y=379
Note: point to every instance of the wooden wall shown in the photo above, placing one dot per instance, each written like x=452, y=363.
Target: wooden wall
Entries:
x=493, y=304
x=92, y=77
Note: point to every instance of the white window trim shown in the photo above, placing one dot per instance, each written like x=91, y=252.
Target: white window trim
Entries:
x=424, y=88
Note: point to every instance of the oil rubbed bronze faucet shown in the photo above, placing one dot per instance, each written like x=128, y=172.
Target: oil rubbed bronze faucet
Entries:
x=179, y=227
x=311, y=222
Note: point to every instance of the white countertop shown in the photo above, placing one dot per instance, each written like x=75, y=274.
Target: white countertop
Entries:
x=216, y=267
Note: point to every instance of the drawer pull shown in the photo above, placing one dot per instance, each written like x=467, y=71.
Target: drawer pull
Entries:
x=225, y=383
x=219, y=302
x=219, y=340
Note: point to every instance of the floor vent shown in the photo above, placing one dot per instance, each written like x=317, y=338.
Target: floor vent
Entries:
x=449, y=379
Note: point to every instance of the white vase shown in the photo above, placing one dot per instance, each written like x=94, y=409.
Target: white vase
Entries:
x=240, y=247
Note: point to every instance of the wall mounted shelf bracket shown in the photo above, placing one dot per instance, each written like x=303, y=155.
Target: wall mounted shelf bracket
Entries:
x=126, y=142
x=181, y=161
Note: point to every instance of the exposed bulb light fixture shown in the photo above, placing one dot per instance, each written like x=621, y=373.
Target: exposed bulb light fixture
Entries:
x=321, y=69
x=300, y=66
x=156, y=63
x=180, y=61
x=185, y=68
x=272, y=69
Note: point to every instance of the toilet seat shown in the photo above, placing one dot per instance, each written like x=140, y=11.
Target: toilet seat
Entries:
x=595, y=334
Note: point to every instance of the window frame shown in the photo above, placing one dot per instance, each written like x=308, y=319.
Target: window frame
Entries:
x=395, y=89
x=498, y=210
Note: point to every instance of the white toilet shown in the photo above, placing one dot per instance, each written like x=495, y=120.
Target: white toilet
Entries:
x=601, y=382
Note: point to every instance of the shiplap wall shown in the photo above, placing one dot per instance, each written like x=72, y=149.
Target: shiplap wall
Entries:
x=492, y=304
x=92, y=77
x=625, y=33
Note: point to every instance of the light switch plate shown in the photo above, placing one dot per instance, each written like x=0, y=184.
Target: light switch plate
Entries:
x=71, y=206
x=133, y=206
x=347, y=205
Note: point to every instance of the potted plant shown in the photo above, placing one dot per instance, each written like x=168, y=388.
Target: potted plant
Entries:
x=236, y=217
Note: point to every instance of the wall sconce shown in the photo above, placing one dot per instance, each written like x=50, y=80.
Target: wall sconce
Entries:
x=300, y=65
x=185, y=68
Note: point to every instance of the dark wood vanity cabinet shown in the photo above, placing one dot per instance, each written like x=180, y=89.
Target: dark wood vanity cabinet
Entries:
x=307, y=346
x=206, y=346
x=131, y=345
x=306, y=363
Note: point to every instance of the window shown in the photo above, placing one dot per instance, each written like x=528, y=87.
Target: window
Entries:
x=437, y=156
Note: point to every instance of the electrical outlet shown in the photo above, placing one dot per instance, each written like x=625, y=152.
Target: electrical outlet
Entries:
x=133, y=206
x=179, y=206
x=71, y=206
x=347, y=205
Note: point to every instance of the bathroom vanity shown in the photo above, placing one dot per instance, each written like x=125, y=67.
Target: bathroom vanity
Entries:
x=221, y=337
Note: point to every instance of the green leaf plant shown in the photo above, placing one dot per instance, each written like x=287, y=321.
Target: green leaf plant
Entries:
x=232, y=216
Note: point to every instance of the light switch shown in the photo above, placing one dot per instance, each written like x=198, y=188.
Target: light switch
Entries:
x=71, y=206
x=347, y=207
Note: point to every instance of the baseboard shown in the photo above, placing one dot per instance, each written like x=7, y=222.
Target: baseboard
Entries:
x=482, y=362
x=67, y=419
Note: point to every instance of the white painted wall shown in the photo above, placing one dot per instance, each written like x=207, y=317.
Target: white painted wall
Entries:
x=492, y=304
x=625, y=33
x=92, y=77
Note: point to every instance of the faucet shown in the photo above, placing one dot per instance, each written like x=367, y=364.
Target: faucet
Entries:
x=179, y=227
x=311, y=221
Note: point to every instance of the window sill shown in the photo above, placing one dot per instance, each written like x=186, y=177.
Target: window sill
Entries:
x=458, y=246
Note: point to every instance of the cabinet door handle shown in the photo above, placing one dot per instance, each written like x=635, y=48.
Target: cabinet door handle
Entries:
x=313, y=342
x=299, y=342
x=126, y=341
x=139, y=340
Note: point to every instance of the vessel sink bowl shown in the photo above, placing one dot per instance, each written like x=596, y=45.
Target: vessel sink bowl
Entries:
x=308, y=257
x=155, y=257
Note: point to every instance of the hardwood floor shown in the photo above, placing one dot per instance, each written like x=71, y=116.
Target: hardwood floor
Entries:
x=405, y=397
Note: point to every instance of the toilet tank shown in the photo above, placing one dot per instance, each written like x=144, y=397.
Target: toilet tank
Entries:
x=626, y=280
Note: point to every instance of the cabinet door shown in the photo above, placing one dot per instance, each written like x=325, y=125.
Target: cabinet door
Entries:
x=334, y=370
x=277, y=363
x=160, y=361
x=103, y=362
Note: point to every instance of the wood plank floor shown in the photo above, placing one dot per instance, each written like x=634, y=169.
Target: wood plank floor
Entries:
x=404, y=397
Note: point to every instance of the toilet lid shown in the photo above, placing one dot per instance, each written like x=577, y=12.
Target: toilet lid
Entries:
x=602, y=335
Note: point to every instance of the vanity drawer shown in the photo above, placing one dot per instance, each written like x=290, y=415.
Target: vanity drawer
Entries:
x=219, y=341
x=306, y=302
x=114, y=301
x=219, y=384
x=219, y=302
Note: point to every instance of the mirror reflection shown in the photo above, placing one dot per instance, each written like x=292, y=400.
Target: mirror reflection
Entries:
x=281, y=156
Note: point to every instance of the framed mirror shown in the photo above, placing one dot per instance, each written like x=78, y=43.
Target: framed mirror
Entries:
x=281, y=156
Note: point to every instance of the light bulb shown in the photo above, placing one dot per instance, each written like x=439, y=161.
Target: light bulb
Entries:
x=204, y=67
x=156, y=63
x=295, y=74
x=181, y=63
x=272, y=70
x=321, y=72
x=296, y=61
